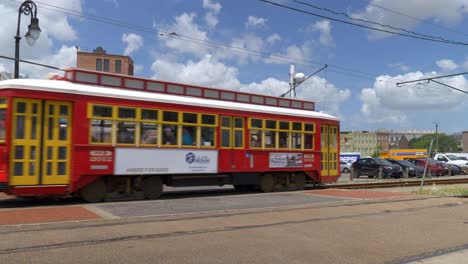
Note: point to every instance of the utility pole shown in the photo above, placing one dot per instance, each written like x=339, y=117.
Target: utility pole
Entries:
x=436, y=136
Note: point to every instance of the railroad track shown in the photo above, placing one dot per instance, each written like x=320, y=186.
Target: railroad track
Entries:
x=390, y=184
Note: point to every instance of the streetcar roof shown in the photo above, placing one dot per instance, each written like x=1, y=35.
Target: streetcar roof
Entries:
x=92, y=90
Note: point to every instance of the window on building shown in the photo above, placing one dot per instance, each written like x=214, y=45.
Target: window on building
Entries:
x=118, y=66
x=98, y=64
x=106, y=65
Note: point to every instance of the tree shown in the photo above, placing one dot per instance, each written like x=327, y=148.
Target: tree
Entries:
x=446, y=143
x=377, y=151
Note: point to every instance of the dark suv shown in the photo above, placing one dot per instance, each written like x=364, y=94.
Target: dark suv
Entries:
x=413, y=170
x=371, y=167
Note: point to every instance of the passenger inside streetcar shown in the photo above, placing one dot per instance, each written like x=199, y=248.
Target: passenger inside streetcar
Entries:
x=124, y=135
x=169, y=138
x=187, y=136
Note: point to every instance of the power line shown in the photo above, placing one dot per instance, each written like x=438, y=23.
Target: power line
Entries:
x=32, y=62
x=412, y=17
x=364, y=26
x=369, y=22
x=275, y=57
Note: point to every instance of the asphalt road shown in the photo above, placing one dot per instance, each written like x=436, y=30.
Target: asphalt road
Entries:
x=310, y=229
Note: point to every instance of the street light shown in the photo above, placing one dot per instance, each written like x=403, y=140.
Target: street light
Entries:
x=34, y=31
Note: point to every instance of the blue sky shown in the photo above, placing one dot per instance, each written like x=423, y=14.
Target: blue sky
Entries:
x=359, y=86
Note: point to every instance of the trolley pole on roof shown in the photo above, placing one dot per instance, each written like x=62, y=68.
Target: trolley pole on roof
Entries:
x=28, y=8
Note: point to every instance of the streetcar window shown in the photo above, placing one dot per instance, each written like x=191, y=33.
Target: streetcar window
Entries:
x=112, y=81
x=135, y=84
x=297, y=126
x=283, y=139
x=127, y=113
x=270, y=139
x=193, y=91
x=257, y=123
x=208, y=136
x=169, y=135
x=238, y=132
x=308, y=141
x=190, y=118
x=208, y=119
x=211, y=93
x=154, y=86
x=309, y=127
x=175, y=89
x=270, y=124
x=148, y=114
x=188, y=135
x=149, y=133
x=255, y=139
x=169, y=116
x=101, y=131
x=243, y=98
x=284, y=125
x=102, y=111
x=226, y=123
x=126, y=132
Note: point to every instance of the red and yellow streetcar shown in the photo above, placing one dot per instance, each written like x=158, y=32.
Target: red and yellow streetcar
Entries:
x=99, y=135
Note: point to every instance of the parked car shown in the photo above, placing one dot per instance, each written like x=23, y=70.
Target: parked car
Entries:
x=345, y=167
x=433, y=168
x=371, y=167
x=413, y=170
x=453, y=169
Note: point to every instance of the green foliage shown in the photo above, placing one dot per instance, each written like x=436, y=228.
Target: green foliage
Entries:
x=377, y=151
x=446, y=143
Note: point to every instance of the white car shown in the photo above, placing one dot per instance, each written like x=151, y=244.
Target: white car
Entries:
x=345, y=167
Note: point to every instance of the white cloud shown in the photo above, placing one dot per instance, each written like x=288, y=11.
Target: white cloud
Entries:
x=445, y=12
x=211, y=17
x=212, y=73
x=185, y=25
x=247, y=41
x=402, y=67
x=253, y=21
x=447, y=65
x=292, y=52
x=133, y=41
x=324, y=27
x=387, y=103
x=272, y=39
x=206, y=72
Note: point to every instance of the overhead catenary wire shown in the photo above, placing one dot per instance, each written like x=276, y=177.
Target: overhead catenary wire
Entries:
x=368, y=21
x=275, y=57
x=412, y=17
x=364, y=26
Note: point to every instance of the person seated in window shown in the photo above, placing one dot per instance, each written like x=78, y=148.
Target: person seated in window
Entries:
x=123, y=135
x=168, y=137
x=256, y=141
x=187, y=138
x=149, y=137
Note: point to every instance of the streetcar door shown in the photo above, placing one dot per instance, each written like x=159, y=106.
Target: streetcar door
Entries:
x=329, y=150
x=40, y=142
x=232, y=152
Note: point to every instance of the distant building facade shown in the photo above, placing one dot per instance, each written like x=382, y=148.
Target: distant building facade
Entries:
x=465, y=141
x=364, y=142
x=367, y=142
x=99, y=60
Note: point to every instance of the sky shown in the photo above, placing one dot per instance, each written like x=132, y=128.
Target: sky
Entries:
x=249, y=45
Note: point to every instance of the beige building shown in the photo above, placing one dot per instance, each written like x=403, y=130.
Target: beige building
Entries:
x=99, y=60
x=364, y=142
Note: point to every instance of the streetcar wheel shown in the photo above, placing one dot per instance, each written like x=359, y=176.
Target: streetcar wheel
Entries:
x=152, y=187
x=94, y=192
x=299, y=181
x=267, y=183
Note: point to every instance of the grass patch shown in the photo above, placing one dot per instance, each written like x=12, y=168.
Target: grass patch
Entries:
x=442, y=191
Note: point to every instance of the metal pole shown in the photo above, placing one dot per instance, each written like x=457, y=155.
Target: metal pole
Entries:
x=425, y=167
x=28, y=7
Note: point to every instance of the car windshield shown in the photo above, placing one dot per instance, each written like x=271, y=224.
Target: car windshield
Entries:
x=453, y=157
x=381, y=161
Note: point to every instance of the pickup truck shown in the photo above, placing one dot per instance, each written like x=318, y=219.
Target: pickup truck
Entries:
x=452, y=159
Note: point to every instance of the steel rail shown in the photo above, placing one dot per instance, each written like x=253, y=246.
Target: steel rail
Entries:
x=370, y=185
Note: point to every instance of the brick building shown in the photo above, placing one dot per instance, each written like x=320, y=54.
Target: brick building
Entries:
x=99, y=60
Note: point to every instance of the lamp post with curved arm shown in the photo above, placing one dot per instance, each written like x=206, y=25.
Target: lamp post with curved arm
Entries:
x=28, y=8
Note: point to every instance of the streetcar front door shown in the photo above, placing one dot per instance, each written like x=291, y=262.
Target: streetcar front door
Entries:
x=40, y=142
x=232, y=151
x=329, y=150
